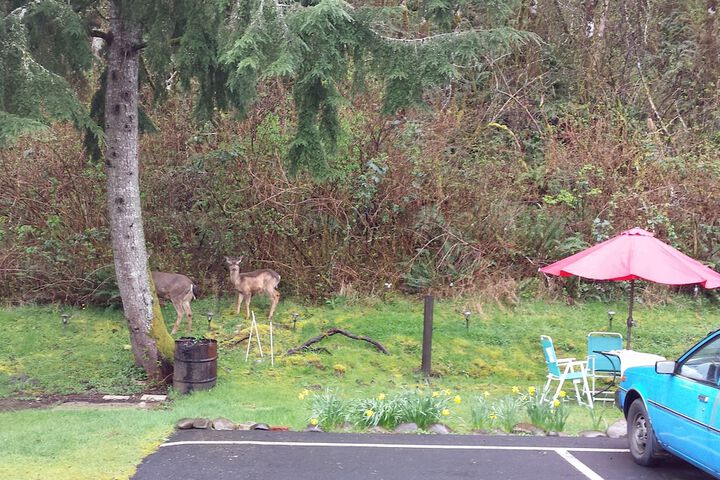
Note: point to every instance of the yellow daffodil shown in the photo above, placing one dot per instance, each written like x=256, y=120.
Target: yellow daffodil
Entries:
x=531, y=390
x=369, y=413
x=381, y=396
x=515, y=390
x=435, y=394
x=556, y=403
x=492, y=416
x=457, y=399
x=314, y=421
x=563, y=394
x=301, y=396
x=445, y=412
x=447, y=392
x=486, y=394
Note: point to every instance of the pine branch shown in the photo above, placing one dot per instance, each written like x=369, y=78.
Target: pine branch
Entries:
x=422, y=40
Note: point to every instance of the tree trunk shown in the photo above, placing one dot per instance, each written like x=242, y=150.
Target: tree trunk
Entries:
x=148, y=335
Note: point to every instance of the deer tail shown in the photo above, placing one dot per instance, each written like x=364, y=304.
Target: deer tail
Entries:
x=195, y=291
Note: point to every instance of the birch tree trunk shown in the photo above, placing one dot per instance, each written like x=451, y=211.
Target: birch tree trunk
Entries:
x=148, y=335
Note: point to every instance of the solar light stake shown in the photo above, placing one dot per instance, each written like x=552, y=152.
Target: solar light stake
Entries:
x=387, y=286
x=610, y=319
x=295, y=316
x=209, y=317
x=65, y=317
x=467, y=314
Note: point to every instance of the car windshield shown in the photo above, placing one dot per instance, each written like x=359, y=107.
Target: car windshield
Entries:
x=704, y=364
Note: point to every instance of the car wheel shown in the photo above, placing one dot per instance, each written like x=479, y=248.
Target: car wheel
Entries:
x=641, y=437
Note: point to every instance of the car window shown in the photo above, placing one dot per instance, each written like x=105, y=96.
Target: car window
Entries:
x=704, y=364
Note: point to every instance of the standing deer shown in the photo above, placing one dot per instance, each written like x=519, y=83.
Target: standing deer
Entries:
x=259, y=281
x=179, y=289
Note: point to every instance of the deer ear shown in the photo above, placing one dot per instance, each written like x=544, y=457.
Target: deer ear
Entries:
x=240, y=259
x=228, y=259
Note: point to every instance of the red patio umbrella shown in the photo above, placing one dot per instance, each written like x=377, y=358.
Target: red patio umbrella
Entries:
x=635, y=255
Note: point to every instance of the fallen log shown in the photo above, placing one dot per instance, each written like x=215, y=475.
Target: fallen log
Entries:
x=334, y=331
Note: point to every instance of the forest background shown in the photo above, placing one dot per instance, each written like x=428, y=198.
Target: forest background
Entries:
x=611, y=121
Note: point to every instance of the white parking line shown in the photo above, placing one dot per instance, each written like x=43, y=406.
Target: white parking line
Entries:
x=584, y=469
x=559, y=450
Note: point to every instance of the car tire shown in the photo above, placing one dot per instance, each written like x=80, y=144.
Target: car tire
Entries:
x=644, y=447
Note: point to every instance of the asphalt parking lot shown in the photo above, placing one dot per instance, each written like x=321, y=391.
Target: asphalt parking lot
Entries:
x=220, y=455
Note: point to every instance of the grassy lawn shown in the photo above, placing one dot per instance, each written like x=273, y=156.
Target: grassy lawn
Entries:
x=500, y=350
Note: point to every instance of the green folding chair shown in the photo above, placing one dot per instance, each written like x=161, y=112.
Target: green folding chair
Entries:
x=561, y=370
x=602, y=366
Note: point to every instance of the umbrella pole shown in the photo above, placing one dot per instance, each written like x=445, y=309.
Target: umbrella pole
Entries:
x=630, y=310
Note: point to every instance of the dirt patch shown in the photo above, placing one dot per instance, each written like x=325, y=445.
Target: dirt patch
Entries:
x=23, y=402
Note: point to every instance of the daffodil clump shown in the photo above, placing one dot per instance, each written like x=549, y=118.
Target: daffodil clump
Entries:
x=549, y=415
x=327, y=409
x=372, y=412
x=387, y=411
x=482, y=415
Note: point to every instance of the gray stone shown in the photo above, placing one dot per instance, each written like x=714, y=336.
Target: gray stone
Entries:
x=201, y=423
x=591, y=434
x=406, y=428
x=116, y=397
x=185, y=423
x=223, y=424
x=439, y=428
x=377, y=429
x=528, y=429
x=245, y=425
x=617, y=429
x=260, y=426
x=153, y=398
x=313, y=428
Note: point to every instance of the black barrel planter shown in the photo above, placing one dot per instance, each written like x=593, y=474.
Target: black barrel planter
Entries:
x=195, y=364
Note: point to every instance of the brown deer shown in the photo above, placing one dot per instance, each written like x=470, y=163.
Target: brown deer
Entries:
x=180, y=290
x=259, y=281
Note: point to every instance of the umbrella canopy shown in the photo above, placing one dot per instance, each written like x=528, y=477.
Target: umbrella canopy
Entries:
x=635, y=255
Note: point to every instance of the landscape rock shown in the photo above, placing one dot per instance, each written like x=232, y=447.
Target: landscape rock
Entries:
x=201, y=423
x=618, y=429
x=245, y=425
x=528, y=429
x=260, y=426
x=439, y=429
x=153, y=398
x=313, y=428
x=116, y=397
x=185, y=423
x=223, y=424
x=377, y=429
x=406, y=428
x=591, y=434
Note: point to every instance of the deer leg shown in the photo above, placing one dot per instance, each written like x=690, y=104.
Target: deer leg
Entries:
x=274, y=299
x=188, y=312
x=179, y=310
x=239, y=302
x=247, y=305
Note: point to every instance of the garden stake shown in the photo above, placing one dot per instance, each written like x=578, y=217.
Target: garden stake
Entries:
x=253, y=326
x=272, y=349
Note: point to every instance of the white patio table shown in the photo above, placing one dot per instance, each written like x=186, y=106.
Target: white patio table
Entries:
x=631, y=358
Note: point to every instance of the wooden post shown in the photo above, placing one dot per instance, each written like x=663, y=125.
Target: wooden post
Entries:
x=427, y=336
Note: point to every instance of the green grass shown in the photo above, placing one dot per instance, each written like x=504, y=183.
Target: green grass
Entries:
x=500, y=350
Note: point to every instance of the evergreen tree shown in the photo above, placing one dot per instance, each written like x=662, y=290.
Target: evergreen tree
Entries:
x=221, y=51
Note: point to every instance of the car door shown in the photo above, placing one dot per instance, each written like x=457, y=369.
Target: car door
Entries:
x=689, y=406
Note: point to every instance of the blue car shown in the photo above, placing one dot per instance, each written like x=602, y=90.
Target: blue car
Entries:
x=675, y=407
